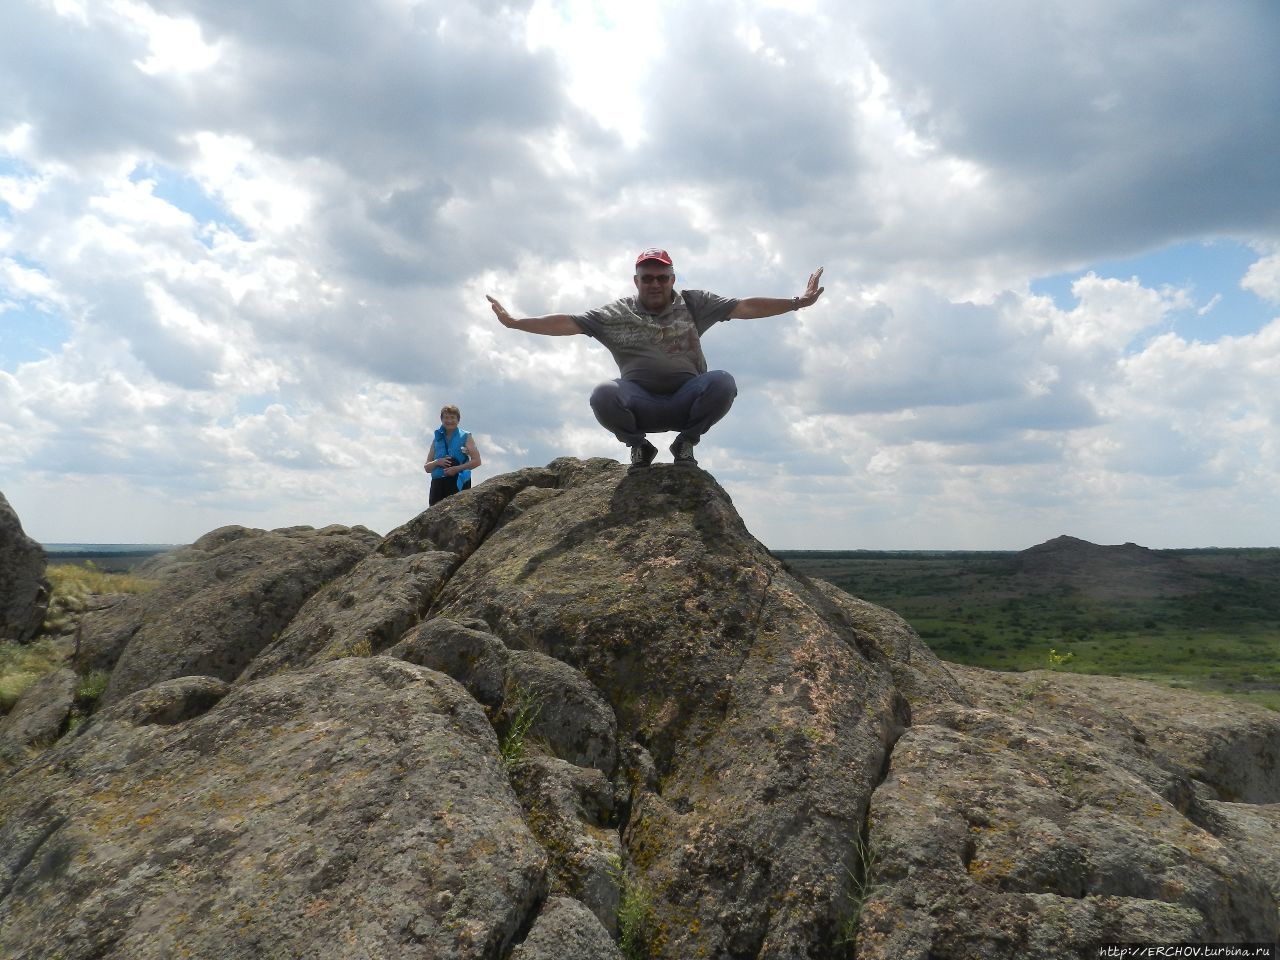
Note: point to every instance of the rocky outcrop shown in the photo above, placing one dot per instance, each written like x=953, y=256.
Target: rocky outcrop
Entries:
x=372, y=606
x=767, y=725
x=577, y=709
x=226, y=597
x=1049, y=814
x=356, y=808
x=24, y=591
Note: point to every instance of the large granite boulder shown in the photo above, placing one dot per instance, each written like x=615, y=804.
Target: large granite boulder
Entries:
x=577, y=711
x=566, y=930
x=24, y=591
x=227, y=597
x=767, y=724
x=371, y=606
x=355, y=809
x=39, y=716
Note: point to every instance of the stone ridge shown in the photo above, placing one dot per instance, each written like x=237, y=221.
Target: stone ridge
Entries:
x=575, y=708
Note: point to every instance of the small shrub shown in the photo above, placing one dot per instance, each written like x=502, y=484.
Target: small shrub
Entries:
x=90, y=689
x=635, y=919
x=71, y=586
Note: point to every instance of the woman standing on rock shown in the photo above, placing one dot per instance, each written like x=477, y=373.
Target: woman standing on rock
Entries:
x=456, y=456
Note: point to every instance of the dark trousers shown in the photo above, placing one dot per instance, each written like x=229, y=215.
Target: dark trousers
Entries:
x=442, y=487
x=629, y=411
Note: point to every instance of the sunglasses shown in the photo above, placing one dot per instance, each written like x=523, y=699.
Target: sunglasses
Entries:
x=656, y=277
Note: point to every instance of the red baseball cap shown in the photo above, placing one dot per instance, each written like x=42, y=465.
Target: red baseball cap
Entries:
x=653, y=253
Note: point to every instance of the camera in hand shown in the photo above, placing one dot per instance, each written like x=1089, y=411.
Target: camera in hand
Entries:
x=449, y=462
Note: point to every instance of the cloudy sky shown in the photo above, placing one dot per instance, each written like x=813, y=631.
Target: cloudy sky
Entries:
x=244, y=249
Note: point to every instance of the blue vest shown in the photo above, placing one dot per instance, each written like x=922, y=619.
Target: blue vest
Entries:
x=454, y=447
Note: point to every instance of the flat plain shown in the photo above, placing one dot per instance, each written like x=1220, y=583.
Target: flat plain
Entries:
x=1204, y=619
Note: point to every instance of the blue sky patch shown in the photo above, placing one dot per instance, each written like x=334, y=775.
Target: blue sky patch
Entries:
x=1209, y=269
x=187, y=195
x=29, y=332
x=255, y=404
x=9, y=167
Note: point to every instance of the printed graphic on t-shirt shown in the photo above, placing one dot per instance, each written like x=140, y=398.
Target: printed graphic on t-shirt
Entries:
x=674, y=333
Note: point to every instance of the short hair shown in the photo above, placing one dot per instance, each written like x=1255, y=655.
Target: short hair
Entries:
x=450, y=408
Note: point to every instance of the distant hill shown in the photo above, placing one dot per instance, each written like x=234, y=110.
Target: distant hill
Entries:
x=1066, y=552
x=1126, y=569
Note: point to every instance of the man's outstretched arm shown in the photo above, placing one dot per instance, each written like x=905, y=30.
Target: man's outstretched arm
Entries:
x=552, y=325
x=753, y=307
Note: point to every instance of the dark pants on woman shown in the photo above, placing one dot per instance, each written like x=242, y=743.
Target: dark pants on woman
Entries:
x=629, y=411
x=444, y=487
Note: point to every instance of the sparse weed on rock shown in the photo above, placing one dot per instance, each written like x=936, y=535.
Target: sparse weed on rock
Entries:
x=861, y=888
x=90, y=689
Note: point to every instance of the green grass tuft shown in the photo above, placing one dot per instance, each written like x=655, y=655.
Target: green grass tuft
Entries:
x=514, y=746
x=92, y=686
x=861, y=888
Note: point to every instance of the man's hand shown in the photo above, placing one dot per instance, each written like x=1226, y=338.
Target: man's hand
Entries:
x=753, y=307
x=811, y=291
x=552, y=325
x=500, y=312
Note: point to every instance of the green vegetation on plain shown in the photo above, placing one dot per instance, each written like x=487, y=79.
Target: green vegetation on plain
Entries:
x=1208, y=620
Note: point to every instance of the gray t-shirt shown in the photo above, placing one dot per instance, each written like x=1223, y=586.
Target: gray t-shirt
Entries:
x=658, y=351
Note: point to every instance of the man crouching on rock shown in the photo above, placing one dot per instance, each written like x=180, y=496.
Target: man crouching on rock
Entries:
x=655, y=338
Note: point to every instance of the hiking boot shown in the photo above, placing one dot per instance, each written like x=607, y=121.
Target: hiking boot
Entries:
x=642, y=455
x=682, y=451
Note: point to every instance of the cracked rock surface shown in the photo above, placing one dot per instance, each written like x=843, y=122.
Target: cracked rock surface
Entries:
x=574, y=709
